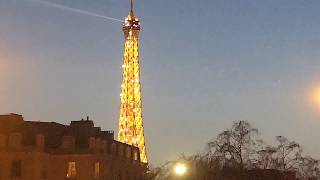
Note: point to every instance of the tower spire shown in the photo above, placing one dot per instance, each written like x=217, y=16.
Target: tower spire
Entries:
x=131, y=8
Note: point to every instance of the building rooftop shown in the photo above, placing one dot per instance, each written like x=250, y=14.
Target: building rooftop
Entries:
x=54, y=133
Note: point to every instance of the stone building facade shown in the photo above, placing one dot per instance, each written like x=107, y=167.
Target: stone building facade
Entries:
x=51, y=151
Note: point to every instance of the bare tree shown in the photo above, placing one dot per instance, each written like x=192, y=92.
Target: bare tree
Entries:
x=234, y=147
x=309, y=168
x=237, y=150
x=288, y=154
x=266, y=158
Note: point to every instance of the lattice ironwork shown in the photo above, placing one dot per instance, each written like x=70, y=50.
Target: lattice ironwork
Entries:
x=131, y=130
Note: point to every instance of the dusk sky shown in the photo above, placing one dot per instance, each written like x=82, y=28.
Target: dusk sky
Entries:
x=204, y=64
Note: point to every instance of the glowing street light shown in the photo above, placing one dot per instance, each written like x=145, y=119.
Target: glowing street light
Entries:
x=314, y=97
x=180, y=169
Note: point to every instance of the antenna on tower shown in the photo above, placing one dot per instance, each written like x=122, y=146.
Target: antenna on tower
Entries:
x=131, y=7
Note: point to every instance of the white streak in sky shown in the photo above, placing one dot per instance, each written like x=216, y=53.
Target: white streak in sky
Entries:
x=63, y=7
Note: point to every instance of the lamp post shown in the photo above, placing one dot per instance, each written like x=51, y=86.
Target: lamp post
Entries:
x=180, y=169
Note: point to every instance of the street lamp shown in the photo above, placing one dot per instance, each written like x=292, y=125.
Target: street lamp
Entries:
x=180, y=169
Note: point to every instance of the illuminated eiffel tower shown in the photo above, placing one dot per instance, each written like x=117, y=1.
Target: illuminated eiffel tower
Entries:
x=131, y=129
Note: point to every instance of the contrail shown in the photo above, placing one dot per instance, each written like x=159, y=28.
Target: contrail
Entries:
x=63, y=7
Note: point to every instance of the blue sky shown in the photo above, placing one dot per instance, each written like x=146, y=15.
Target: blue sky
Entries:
x=204, y=65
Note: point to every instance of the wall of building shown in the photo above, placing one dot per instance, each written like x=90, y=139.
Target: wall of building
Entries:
x=46, y=151
x=43, y=166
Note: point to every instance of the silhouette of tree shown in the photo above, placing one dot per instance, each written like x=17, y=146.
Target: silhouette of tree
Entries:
x=266, y=158
x=309, y=168
x=237, y=151
x=288, y=154
x=235, y=147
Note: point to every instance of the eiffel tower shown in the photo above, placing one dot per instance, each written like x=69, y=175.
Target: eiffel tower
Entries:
x=131, y=130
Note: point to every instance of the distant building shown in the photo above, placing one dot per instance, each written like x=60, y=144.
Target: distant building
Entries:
x=270, y=174
x=51, y=151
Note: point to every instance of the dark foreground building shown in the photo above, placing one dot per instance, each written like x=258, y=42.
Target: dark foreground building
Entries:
x=51, y=151
x=270, y=174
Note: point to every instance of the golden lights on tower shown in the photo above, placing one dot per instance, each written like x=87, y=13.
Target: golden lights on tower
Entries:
x=131, y=129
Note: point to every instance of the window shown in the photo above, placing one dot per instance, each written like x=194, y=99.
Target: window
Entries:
x=135, y=156
x=72, y=170
x=128, y=152
x=97, y=170
x=16, y=168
